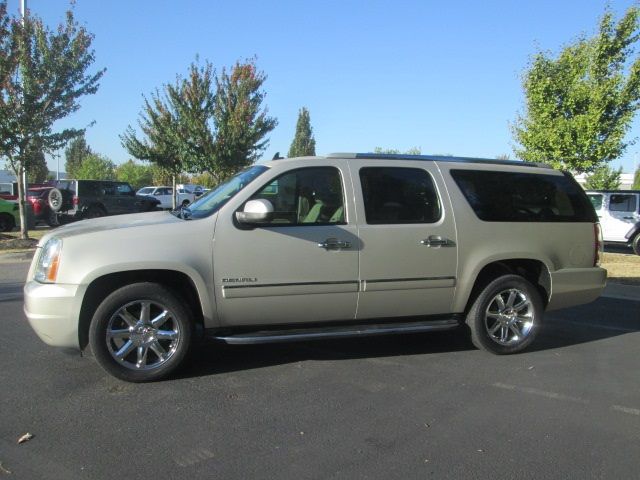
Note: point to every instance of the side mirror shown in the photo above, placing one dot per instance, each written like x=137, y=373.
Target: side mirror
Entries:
x=255, y=211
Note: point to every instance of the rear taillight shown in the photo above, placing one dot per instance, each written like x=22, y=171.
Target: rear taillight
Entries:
x=76, y=201
x=598, y=244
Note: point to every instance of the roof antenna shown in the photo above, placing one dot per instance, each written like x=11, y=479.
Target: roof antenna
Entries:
x=277, y=156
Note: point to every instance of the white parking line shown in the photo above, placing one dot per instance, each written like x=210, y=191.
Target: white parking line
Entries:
x=542, y=393
x=631, y=411
x=603, y=327
x=560, y=396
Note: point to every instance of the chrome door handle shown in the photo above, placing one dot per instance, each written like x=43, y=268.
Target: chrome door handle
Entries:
x=437, y=241
x=334, y=244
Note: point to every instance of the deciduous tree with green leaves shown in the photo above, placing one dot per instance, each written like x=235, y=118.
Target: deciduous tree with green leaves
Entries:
x=43, y=74
x=96, y=167
x=604, y=178
x=75, y=153
x=175, y=125
x=580, y=104
x=636, y=179
x=136, y=174
x=38, y=170
x=240, y=119
x=303, y=143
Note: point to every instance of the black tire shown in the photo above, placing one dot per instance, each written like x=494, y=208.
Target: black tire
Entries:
x=52, y=219
x=55, y=199
x=7, y=223
x=507, y=305
x=95, y=212
x=124, y=340
x=635, y=244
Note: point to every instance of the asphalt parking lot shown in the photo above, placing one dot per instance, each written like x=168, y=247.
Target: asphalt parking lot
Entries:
x=418, y=406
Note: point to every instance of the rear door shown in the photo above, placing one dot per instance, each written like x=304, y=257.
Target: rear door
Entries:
x=408, y=259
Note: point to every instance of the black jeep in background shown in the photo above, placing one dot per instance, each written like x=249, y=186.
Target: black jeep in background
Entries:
x=98, y=198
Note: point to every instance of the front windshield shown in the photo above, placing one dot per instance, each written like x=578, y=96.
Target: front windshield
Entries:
x=215, y=199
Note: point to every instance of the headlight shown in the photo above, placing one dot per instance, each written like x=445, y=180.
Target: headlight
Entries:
x=49, y=261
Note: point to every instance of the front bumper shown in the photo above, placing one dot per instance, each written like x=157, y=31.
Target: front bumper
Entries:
x=576, y=286
x=53, y=311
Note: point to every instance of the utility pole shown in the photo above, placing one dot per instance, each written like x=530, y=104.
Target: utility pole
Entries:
x=23, y=13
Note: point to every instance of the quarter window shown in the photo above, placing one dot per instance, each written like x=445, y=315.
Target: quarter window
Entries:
x=307, y=196
x=524, y=197
x=399, y=196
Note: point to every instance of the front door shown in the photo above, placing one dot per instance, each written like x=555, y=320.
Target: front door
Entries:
x=408, y=259
x=301, y=265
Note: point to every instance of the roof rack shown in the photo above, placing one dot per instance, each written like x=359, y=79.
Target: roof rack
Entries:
x=436, y=158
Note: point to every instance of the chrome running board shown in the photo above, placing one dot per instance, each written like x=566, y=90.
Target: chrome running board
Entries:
x=337, y=331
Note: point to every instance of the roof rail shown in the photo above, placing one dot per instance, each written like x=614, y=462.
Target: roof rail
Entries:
x=436, y=158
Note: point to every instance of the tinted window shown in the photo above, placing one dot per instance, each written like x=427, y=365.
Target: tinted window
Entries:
x=399, y=195
x=305, y=196
x=145, y=191
x=622, y=203
x=90, y=188
x=596, y=201
x=524, y=197
x=123, y=189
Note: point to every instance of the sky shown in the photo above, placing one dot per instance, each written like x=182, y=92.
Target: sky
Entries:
x=444, y=76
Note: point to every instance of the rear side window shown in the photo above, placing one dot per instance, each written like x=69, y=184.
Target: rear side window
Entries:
x=524, y=197
x=399, y=195
x=622, y=203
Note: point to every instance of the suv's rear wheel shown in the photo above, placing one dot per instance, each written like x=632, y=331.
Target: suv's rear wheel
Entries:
x=506, y=316
x=141, y=332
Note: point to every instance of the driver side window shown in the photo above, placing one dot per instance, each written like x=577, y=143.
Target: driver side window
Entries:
x=307, y=196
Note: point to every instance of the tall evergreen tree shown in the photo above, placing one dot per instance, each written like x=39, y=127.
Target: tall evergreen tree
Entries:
x=303, y=143
x=580, y=104
x=75, y=153
x=38, y=170
x=42, y=77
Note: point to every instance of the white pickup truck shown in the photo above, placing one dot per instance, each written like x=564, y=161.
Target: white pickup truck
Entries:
x=165, y=195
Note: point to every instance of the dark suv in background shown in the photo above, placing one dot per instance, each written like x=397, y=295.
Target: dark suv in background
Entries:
x=98, y=198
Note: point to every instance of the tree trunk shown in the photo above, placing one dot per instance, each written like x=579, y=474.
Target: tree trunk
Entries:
x=22, y=201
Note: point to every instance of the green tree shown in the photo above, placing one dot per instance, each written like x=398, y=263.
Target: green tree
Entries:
x=96, y=167
x=175, y=125
x=303, y=143
x=240, y=120
x=636, y=179
x=38, y=171
x=580, y=104
x=136, y=174
x=604, y=178
x=42, y=77
x=394, y=151
x=74, y=154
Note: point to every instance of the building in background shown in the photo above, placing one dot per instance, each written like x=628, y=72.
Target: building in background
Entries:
x=626, y=180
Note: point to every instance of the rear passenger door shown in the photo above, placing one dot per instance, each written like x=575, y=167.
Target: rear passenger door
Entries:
x=408, y=258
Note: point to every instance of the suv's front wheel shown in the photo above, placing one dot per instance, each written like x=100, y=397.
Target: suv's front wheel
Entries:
x=141, y=332
x=506, y=316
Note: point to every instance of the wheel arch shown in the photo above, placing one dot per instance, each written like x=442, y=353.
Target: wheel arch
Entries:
x=534, y=271
x=100, y=287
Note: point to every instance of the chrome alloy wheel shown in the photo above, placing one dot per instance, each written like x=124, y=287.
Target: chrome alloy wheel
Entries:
x=143, y=335
x=509, y=317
